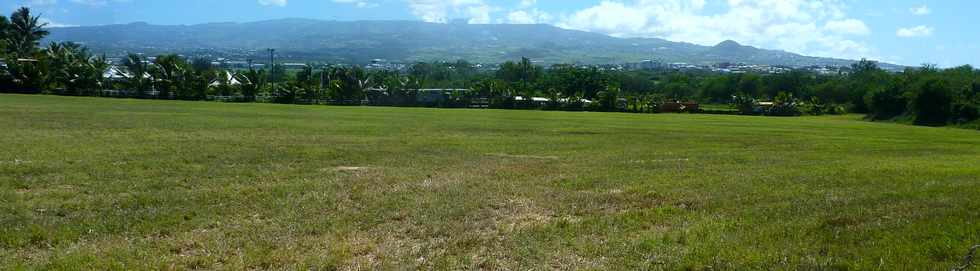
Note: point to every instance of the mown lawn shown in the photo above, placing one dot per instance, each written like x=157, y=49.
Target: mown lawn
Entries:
x=98, y=183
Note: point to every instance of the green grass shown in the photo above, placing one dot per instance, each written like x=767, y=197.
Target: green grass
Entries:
x=97, y=183
x=718, y=107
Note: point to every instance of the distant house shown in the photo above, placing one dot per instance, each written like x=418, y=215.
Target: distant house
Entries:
x=435, y=96
x=539, y=101
x=119, y=74
x=674, y=107
x=115, y=74
x=566, y=100
x=225, y=76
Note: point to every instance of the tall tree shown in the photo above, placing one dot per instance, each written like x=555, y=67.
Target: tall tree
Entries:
x=24, y=33
x=168, y=73
x=347, y=84
x=71, y=68
x=199, y=75
x=522, y=73
x=251, y=82
x=865, y=76
x=4, y=30
x=136, y=80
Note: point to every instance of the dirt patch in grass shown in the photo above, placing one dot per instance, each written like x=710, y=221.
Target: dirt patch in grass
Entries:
x=523, y=156
x=348, y=169
x=659, y=161
x=517, y=214
x=16, y=162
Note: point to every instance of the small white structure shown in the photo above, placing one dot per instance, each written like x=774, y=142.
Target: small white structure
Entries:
x=225, y=76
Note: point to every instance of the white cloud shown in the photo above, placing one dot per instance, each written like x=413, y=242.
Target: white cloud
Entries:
x=442, y=11
x=913, y=32
x=813, y=27
x=532, y=16
x=847, y=27
x=357, y=3
x=279, y=3
x=610, y=17
x=52, y=24
x=922, y=10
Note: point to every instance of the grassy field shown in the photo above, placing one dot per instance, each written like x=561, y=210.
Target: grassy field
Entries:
x=97, y=183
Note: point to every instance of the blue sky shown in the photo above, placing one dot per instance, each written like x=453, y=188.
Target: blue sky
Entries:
x=909, y=32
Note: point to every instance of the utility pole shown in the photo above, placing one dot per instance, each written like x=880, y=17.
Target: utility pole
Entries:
x=272, y=61
x=139, y=80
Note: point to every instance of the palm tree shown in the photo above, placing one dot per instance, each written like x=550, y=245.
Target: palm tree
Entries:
x=27, y=76
x=307, y=84
x=56, y=62
x=95, y=73
x=136, y=79
x=347, y=84
x=251, y=81
x=4, y=29
x=169, y=72
x=24, y=33
x=71, y=68
x=198, y=77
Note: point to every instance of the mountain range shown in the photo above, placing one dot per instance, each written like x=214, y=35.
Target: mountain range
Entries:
x=409, y=41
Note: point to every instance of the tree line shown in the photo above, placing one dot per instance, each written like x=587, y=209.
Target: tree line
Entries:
x=924, y=95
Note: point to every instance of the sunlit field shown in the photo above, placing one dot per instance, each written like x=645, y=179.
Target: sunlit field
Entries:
x=97, y=183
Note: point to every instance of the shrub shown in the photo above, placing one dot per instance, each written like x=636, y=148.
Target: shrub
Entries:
x=886, y=103
x=746, y=105
x=932, y=103
x=966, y=108
x=784, y=105
x=816, y=107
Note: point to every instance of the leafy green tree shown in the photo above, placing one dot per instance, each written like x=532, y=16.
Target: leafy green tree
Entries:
x=169, y=74
x=401, y=90
x=750, y=84
x=719, y=89
x=865, y=76
x=94, y=76
x=792, y=82
x=198, y=76
x=136, y=75
x=521, y=74
x=24, y=33
x=887, y=102
x=222, y=84
x=581, y=82
x=347, y=84
x=251, y=82
x=609, y=99
x=932, y=103
x=421, y=71
x=307, y=83
x=27, y=76
x=4, y=34
x=72, y=68
x=784, y=104
x=58, y=57
x=746, y=105
x=832, y=90
x=966, y=107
